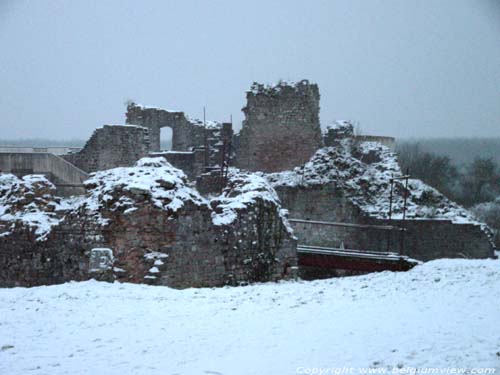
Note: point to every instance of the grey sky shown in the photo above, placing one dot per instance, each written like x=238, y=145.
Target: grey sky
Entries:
x=402, y=68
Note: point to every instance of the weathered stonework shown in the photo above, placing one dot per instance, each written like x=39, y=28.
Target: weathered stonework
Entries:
x=424, y=239
x=159, y=230
x=186, y=133
x=350, y=184
x=281, y=129
x=192, y=163
x=112, y=146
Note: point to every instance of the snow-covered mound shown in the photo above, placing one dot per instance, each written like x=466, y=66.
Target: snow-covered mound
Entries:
x=150, y=180
x=244, y=189
x=363, y=171
x=440, y=315
x=28, y=201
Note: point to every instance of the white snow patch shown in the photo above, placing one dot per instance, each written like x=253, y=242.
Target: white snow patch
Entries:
x=242, y=191
x=440, y=314
x=38, y=214
x=153, y=178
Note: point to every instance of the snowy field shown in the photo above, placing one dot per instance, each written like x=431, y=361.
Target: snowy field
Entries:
x=442, y=314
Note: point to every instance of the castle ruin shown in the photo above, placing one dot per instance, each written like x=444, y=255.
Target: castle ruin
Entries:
x=187, y=217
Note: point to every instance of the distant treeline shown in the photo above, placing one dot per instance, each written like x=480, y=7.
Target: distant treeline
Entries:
x=460, y=150
x=471, y=178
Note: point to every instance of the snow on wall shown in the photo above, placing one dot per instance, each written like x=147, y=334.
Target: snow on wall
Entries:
x=243, y=190
x=364, y=172
x=28, y=201
x=274, y=88
x=152, y=179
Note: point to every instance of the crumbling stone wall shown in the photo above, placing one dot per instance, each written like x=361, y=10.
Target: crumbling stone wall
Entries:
x=192, y=163
x=112, y=146
x=163, y=233
x=155, y=247
x=281, y=129
x=424, y=239
x=186, y=133
x=189, y=251
x=64, y=256
x=340, y=130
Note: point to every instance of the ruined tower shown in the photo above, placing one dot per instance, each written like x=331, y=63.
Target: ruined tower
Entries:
x=281, y=129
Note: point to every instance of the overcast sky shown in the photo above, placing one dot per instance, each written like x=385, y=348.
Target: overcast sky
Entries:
x=402, y=68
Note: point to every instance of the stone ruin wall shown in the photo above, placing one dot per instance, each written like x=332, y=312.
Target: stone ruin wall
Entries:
x=187, y=136
x=425, y=239
x=184, y=134
x=192, y=163
x=112, y=146
x=281, y=129
x=186, y=248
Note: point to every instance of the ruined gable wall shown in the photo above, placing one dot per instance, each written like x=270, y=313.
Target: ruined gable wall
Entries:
x=185, y=135
x=281, y=129
x=112, y=146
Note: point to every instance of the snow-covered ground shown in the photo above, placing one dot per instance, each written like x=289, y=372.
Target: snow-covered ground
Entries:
x=442, y=314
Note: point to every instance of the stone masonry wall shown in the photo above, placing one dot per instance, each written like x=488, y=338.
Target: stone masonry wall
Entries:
x=281, y=129
x=64, y=256
x=112, y=146
x=152, y=246
x=190, y=162
x=423, y=240
x=186, y=133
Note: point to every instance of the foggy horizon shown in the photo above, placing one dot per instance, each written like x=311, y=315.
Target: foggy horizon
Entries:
x=402, y=69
